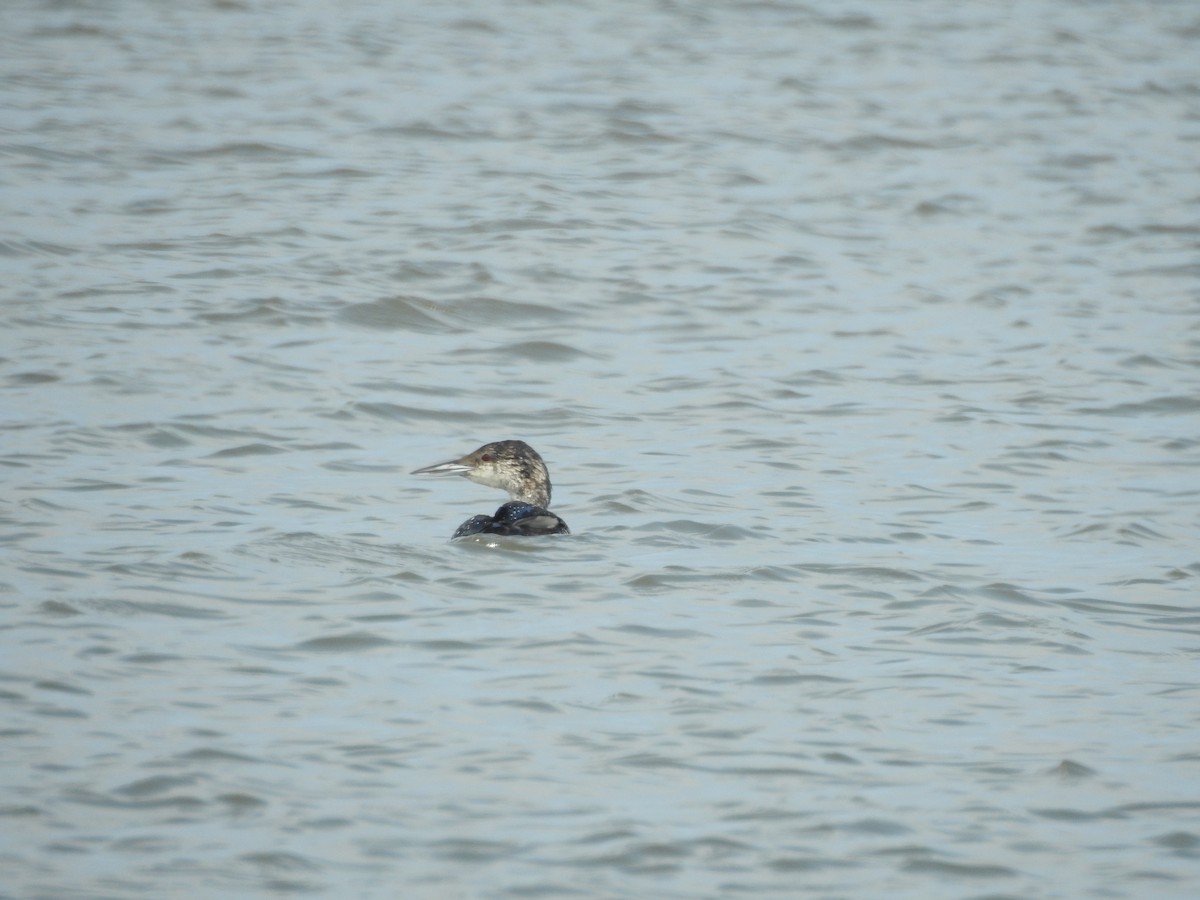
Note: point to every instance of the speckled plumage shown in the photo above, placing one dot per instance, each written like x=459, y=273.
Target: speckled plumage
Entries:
x=517, y=468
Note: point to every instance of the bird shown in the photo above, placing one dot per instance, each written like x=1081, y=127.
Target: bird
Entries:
x=517, y=468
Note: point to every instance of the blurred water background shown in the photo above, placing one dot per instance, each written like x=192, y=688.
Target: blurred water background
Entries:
x=862, y=341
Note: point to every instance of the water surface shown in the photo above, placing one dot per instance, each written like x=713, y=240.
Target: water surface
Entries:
x=863, y=347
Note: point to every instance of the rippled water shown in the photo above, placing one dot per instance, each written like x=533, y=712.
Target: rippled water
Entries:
x=863, y=345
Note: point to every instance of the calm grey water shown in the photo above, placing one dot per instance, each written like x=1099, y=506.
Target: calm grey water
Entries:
x=863, y=343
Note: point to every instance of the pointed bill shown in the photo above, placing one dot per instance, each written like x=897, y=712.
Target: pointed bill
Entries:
x=454, y=467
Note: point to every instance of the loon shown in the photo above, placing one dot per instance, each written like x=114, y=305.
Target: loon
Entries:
x=515, y=467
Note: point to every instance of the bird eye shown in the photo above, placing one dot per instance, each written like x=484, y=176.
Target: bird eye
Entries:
x=487, y=457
